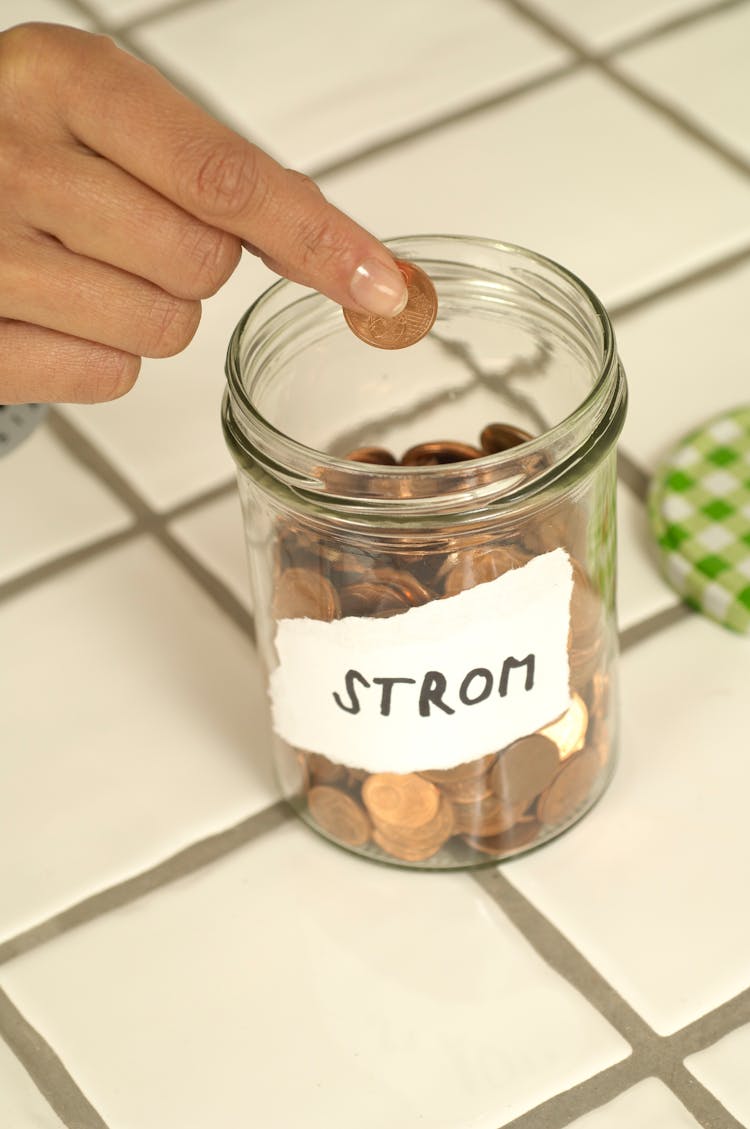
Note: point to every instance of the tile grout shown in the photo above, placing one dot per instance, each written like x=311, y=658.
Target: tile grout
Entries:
x=605, y=64
x=46, y=1070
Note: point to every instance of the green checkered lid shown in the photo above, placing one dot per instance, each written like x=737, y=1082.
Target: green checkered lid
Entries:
x=699, y=505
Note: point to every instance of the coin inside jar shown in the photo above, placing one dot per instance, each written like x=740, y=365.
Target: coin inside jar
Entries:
x=304, y=594
x=377, y=456
x=438, y=452
x=498, y=437
x=411, y=325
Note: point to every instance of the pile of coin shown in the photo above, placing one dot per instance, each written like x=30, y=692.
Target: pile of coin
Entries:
x=496, y=804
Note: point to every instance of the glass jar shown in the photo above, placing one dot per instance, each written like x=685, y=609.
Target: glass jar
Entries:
x=440, y=640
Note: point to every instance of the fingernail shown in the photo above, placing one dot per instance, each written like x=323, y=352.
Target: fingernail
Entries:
x=379, y=288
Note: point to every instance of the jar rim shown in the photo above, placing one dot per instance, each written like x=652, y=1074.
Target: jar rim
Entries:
x=499, y=478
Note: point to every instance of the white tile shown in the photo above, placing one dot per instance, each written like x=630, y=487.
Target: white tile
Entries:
x=137, y=717
x=312, y=82
x=48, y=11
x=291, y=984
x=722, y=1068
x=50, y=504
x=117, y=12
x=214, y=535
x=702, y=70
x=21, y=1104
x=649, y=1105
x=578, y=171
x=687, y=357
x=601, y=23
x=165, y=436
x=641, y=590
x=651, y=885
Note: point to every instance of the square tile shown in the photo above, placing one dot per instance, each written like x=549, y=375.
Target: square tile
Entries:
x=722, y=1068
x=165, y=436
x=47, y=11
x=650, y=886
x=214, y=535
x=702, y=70
x=687, y=358
x=602, y=23
x=291, y=984
x=21, y=1104
x=116, y=12
x=562, y=171
x=137, y=715
x=298, y=79
x=50, y=504
x=648, y=1105
x=641, y=590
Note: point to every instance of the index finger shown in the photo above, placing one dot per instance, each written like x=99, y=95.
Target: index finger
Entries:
x=166, y=141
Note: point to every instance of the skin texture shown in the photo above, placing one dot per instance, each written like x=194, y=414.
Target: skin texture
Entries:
x=123, y=205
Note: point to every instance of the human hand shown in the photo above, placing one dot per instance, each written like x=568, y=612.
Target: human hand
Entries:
x=123, y=204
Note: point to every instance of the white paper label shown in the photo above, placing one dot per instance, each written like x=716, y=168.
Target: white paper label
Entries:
x=435, y=686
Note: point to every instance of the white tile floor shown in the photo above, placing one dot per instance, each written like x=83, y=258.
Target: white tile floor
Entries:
x=288, y=984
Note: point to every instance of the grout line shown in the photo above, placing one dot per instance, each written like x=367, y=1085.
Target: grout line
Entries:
x=204, y=498
x=46, y=1070
x=562, y=956
x=16, y=585
x=414, y=133
x=632, y=475
x=187, y=861
x=694, y=277
x=149, y=522
x=559, y=1110
x=704, y=1106
x=714, y=1025
x=676, y=117
x=667, y=26
x=163, y=11
x=645, y=628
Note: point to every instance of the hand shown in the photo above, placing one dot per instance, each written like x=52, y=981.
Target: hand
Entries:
x=123, y=204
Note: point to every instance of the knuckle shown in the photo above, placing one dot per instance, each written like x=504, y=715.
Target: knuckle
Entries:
x=221, y=181
x=325, y=245
x=113, y=378
x=211, y=255
x=170, y=325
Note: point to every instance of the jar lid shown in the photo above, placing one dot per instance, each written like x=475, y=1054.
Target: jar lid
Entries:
x=699, y=507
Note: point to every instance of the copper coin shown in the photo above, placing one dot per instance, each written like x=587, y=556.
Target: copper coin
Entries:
x=470, y=770
x=400, y=800
x=417, y=844
x=405, y=583
x=570, y=788
x=375, y=455
x=472, y=568
x=339, y=815
x=569, y=731
x=323, y=771
x=373, y=599
x=304, y=594
x=520, y=835
x=438, y=452
x=486, y=816
x=497, y=437
x=524, y=769
x=406, y=328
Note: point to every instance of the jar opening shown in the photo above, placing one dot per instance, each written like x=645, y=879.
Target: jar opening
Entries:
x=518, y=340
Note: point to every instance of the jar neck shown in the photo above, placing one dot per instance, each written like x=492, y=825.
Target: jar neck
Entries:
x=480, y=274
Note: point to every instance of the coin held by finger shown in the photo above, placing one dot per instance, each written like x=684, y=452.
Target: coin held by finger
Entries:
x=411, y=325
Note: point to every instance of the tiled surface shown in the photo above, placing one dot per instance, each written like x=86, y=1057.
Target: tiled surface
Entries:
x=649, y=1105
x=357, y=972
x=137, y=717
x=622, y=883
x=265, y=977
x=21, y=1104
x=634, y=201
x=50, y=11
x=421, y=61
x=50, y=504
x=603, y=23
x=682, y=69
x=723, y=1068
